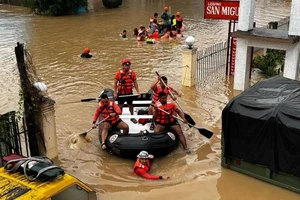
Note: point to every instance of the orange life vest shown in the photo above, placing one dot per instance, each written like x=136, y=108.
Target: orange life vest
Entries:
x=106, y=110
x=125, y=84
x=138, y=164
x=162, y=117
x=157, y=90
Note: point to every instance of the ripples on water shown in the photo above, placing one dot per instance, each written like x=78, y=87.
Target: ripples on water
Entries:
x=56, y=44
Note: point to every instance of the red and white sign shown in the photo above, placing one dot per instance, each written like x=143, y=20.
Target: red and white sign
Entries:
x=233, y=55
x=221, y=9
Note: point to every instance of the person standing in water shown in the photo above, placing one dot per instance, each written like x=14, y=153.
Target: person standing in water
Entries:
x=166, y=17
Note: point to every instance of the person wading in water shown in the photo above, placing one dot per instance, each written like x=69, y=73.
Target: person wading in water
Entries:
x=86, y=53
x=142, y=167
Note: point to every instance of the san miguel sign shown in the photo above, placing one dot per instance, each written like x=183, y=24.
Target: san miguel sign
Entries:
x=221, y=9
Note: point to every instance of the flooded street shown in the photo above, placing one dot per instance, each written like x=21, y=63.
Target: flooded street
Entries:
x=56, y=43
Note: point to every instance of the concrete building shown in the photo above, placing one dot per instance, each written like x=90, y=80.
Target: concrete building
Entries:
x=248, y=36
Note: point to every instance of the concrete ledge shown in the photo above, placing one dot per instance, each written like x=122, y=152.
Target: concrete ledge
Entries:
x=273, y=35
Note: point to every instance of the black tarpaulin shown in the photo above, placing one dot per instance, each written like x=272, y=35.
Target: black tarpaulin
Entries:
x=262, y=125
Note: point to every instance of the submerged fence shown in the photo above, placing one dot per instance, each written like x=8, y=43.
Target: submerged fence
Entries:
x=10, y=136
x=211, y=60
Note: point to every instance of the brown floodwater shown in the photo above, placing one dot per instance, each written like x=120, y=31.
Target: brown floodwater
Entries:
x=55, y=44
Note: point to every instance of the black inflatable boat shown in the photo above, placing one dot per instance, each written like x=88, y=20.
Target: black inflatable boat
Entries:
x=140, y=136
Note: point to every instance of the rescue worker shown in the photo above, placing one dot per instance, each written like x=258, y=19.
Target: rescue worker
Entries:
x=124, y=82
x=142, y=167
x=179, y=21
x=173, y=23
x=157, y=87
x=86, y=53
x=166, y=17
x=164, y=120
x=109, y=108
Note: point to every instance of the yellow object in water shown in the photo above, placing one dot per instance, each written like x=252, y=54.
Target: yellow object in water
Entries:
x=15, y=185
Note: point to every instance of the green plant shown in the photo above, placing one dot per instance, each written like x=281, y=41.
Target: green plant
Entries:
x=55, y=7
x=271, y=64
x=112, y=3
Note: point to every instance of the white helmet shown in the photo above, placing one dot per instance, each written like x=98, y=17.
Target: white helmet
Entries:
x=144, y=154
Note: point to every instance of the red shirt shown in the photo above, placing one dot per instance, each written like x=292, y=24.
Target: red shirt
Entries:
x=142, y=170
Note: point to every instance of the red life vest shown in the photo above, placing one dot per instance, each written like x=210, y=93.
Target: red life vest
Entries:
x=138, y=164
x=106, y=110
x=143, y=121
x=179, y=22
x=162, y=117
x=125, y=84
x=157, y=90
x=155, y=35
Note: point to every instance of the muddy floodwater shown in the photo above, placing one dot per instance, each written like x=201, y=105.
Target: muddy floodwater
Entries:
x=56, y=43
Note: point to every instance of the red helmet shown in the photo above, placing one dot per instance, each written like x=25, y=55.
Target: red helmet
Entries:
x=126, y=60
x=87, y=50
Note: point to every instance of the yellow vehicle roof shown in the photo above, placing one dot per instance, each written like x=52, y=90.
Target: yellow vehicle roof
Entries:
x=17, y=186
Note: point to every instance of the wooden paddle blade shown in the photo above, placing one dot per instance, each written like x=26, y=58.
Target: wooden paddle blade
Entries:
x=189, y=119
x=206, y=133
x=88, y=99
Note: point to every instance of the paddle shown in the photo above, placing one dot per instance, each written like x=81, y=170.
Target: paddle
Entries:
x=85, y=133
x=188, y=118
x=202, y=131
x=92, y=99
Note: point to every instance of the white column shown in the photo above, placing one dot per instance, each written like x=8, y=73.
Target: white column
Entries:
x=246, y=15
x=91, y=6
x=49, y=128
x=291, y=64
x=189, y=64
x=242, y=65
x=295, y=18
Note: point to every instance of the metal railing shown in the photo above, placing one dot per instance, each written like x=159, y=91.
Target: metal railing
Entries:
x=211, y=60
x=10, y=136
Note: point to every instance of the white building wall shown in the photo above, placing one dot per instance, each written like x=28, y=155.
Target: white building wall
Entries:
x=294, y=28
x=243, y=51
x=291, y=65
